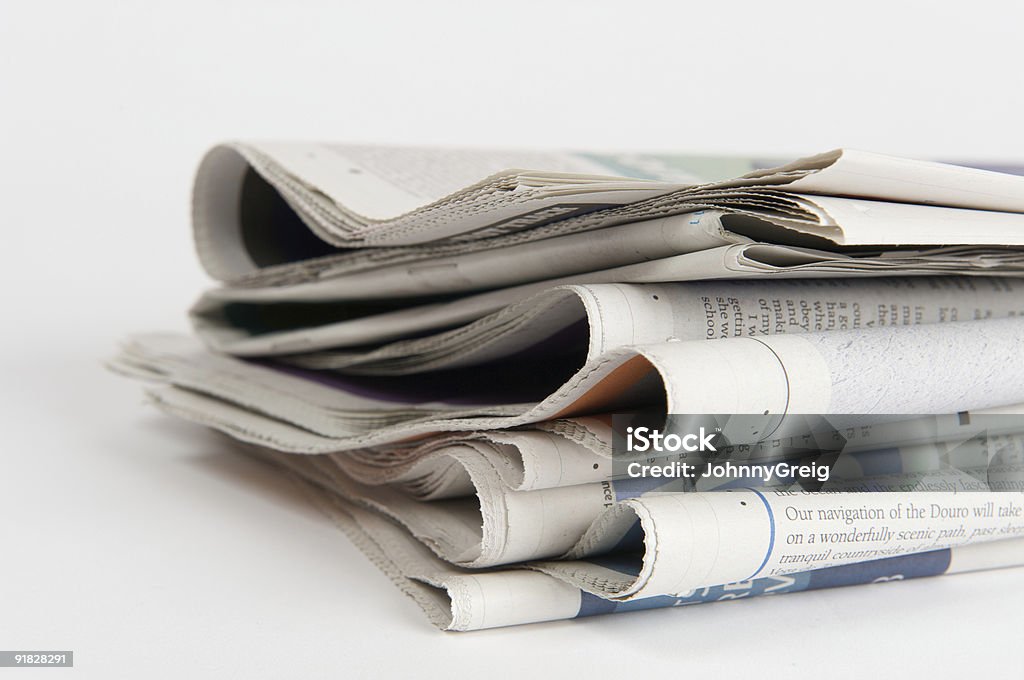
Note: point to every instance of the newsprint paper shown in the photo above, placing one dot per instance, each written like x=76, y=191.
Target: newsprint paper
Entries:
x=475, y=362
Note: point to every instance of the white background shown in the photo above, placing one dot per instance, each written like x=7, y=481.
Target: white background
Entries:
x=134, y=541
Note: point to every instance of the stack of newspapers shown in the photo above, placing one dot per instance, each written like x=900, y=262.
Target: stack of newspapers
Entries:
x=615, y=382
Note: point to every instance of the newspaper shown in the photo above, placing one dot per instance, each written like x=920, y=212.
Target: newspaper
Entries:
x=692, y=246
x=501, y=497
x=591, y=316
x=771, y=534
x=581, y=451
x=378, y=241
x=441, y=345
x=265, y=205
x=356, y=195
x=460, y=599
x=228, y=316
x=924, y=369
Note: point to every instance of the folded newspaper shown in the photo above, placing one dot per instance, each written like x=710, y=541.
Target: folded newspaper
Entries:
x=440, y=346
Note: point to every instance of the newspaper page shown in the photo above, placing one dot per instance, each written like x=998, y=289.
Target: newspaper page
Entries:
x=696, y=540
x=925, y=369
x=462, y=498
x=595, y=316
x=359, y=195
x=260, y=205
x=262, y=322
x=457, y=599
